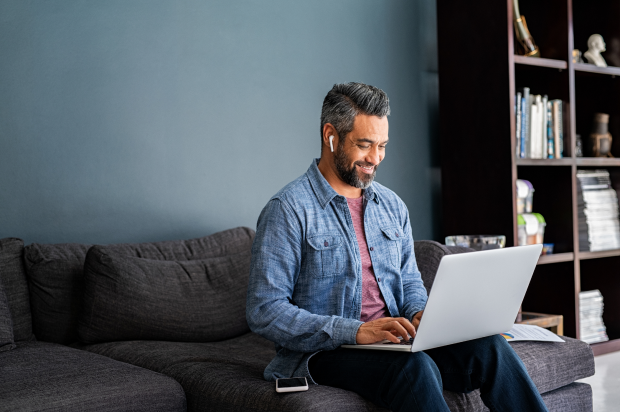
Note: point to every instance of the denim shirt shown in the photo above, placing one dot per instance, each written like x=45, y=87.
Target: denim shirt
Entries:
x=305, y=287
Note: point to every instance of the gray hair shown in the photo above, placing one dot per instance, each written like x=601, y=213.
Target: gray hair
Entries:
x=346, y=100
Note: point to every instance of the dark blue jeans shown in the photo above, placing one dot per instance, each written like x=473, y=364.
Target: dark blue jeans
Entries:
x=404, y=381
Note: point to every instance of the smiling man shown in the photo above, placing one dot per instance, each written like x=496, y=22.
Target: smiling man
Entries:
x=333, y=264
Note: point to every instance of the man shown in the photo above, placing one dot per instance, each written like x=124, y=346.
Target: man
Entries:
x=333, y=264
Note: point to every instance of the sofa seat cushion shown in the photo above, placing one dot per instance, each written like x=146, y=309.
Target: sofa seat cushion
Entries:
x=228, y=375
x=40, y=376
x=553, y=365
x=576, y=397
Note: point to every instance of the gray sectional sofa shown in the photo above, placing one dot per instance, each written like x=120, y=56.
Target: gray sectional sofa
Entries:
x=161, y=327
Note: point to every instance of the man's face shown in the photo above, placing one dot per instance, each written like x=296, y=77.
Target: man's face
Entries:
x=361, y=151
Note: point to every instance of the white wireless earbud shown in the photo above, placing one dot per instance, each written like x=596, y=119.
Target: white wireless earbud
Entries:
x=331, y=142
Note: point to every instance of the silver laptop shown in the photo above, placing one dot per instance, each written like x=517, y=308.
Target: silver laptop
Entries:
x=474, y=295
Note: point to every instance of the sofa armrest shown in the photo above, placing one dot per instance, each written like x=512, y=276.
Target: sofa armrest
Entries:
x=428, y=254
x=459, y=249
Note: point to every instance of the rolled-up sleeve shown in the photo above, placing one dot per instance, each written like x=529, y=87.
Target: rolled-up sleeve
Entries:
x=414, y=292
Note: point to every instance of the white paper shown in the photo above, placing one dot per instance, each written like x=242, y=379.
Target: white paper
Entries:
x=530, y=332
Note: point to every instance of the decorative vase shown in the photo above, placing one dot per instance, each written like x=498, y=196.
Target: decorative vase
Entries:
x=600, y=138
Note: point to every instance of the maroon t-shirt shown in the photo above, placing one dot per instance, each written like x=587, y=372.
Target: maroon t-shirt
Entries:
x=373, y=305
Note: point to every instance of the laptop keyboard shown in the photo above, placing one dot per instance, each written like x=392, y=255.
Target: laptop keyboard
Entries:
x=402, y=342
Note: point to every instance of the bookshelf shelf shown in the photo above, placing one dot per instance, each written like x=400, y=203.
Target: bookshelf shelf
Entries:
x=598, y=255
x=491, y=84
x=545, y=162
x=541, y=62
x=569, y=161
x=602, y=348
x=555, y=258
x=590, y=68
x=598, y=161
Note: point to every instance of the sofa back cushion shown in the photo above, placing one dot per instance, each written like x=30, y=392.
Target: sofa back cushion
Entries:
x=56, y=281
x=189, y=291
x=13, y=278
x=7, y=340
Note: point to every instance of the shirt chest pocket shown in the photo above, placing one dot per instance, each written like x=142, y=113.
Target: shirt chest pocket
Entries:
x=392, y=237
x=325, y=255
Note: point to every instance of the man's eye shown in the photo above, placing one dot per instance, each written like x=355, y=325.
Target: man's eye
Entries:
x=364, y=147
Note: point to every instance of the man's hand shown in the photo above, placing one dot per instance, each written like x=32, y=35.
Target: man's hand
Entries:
x=416, y=319
x=385, y=328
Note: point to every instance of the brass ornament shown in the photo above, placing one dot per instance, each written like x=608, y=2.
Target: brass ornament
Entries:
x=529, y=48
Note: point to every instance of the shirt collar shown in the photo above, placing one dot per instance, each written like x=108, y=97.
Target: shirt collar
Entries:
x=325, y=192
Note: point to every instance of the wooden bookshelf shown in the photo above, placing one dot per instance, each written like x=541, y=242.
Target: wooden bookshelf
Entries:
x=544, y=162
x=598, y=255
x=602, y=348
x=569, y=161
x=590, y=68
x=556, y=257
x=478, y=79
x=598, y=161
x=541, y=62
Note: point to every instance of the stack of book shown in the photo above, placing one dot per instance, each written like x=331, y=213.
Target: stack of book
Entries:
x=597, y=208
x=591, y=326
x=539, y=126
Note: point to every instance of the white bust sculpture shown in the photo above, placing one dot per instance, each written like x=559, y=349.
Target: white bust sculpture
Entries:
x=596, y=45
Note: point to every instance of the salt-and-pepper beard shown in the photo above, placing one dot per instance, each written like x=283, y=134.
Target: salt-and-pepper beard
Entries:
x=350, y=175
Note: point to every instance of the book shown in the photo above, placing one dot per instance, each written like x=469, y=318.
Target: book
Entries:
x=525, y=124
x=543, y=128
x=539, y=129
x=561, y=126
x=518, y=124
x=557, y=129
x=550, y=144
x=529, y=125
x=535, y=128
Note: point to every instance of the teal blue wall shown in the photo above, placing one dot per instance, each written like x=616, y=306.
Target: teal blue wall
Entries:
x=128, y=121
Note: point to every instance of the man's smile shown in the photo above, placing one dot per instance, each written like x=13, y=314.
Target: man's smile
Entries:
x=366, y=169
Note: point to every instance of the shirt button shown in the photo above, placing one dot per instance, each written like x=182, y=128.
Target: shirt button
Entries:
x=326, y=243
x=379, y=279
x=372, y=248
x=396, y=234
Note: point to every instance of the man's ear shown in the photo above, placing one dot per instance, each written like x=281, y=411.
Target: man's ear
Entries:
x=329, y=130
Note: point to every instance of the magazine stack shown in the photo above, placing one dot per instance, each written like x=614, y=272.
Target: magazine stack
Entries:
x=591, y=326
x=597, y=208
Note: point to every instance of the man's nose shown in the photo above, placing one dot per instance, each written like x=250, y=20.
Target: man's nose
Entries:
x=374, y=156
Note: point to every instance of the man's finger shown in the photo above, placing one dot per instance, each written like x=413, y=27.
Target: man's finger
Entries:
x=387, y=335
x=407, y=325
x=400, y=330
